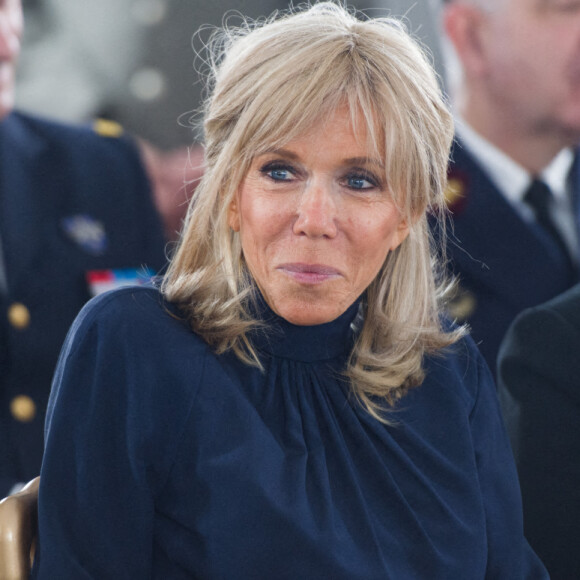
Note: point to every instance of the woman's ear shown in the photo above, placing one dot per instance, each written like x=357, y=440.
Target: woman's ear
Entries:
x=400, y=234
x=234, y=215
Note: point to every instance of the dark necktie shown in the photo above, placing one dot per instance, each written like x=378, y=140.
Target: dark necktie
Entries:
x=538, y=197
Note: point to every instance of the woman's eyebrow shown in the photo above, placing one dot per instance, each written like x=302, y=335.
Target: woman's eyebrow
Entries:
x=282, y=152
x=348, y=161
x=364, y=161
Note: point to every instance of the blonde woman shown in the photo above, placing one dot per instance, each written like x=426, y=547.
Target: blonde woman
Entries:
x=290, y=403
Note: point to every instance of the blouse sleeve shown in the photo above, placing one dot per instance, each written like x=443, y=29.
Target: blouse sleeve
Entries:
x=509, y=554
x=111, y=435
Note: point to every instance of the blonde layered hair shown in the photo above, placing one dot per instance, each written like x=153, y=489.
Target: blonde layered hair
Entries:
x=271, y=82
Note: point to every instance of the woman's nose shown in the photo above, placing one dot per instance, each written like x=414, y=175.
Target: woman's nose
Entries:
x=317, y=211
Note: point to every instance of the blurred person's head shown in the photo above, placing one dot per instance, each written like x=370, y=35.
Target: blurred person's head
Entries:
x=10, y=33
x=520, y=82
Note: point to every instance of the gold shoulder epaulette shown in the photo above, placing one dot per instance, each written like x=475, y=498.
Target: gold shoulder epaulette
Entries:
x=455, y=191
x=107, y=128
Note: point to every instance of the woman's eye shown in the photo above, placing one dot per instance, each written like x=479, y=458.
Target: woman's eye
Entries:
x=361, y=182
x=278, y=172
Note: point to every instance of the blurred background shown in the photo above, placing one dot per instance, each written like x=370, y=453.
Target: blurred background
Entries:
x=132, y=61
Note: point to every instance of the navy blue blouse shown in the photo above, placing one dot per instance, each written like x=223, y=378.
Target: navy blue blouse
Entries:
x=164, y=460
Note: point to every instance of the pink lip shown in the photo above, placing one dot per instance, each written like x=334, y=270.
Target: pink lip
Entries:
x=309, y=273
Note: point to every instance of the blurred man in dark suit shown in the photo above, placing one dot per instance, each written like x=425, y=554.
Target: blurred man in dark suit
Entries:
x=514, y=184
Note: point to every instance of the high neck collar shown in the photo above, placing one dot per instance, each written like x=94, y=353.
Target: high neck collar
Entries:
x=305, y=343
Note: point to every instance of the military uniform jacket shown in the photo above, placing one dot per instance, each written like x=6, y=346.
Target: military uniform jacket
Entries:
x=504, y=263
x=71, y=202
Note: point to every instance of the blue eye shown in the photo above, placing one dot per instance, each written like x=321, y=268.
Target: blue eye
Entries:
x=279, y=174
x=278, y=171
x=360, y=182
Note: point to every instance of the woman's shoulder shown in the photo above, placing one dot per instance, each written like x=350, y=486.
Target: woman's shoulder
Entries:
x=460, y=368
x=136, y=318
x=141, y=305
x=132, y=364
x=133, y=343
x=124, y=298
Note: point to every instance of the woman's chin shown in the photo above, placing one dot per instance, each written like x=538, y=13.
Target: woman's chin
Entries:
x=302, y=313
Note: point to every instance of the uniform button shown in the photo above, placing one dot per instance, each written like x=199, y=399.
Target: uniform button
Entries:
x=23, y=408
x=18, y=316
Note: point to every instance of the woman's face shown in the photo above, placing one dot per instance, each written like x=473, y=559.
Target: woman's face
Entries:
x=316, y=221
